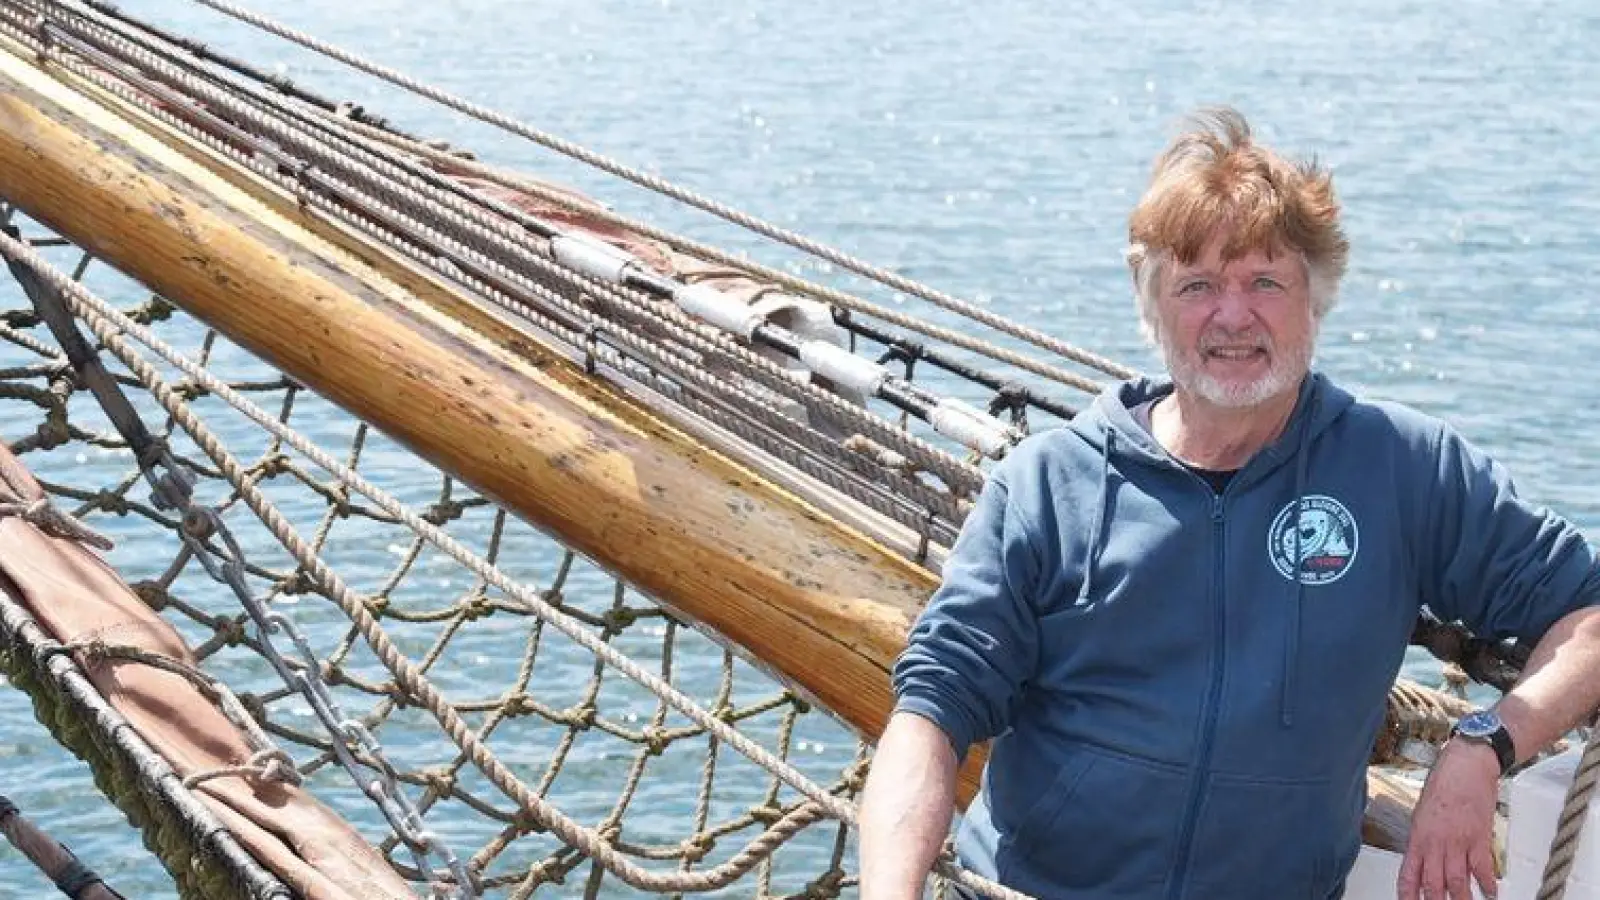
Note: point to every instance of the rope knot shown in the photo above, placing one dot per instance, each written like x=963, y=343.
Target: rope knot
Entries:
x=152, y=594
x=526, y=822
x=827, y=886
x=618, y=618
x=655, y=740
x=333, y=675
x=253, y=705
x=697, y=846
x=92, y=651
x=156, y=309
x=475, y=608
x=296, y=583
x=440, y=781
x=442, y=512
x=581, y=716
x=189, y=389
x=110, y=501
x=904, y=350
x=766, y=815
x=276, y=766
x=231, y=631
x=1012, y=397
x=401, y=695
x=53, y=432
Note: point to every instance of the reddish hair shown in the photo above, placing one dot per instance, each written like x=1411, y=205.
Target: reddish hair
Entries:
x=1213, y=179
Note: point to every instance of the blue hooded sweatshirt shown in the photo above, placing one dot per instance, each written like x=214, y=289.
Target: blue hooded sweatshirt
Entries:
x=1185, y=687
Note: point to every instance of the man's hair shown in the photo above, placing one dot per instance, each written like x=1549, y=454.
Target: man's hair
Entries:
x=1213, y=178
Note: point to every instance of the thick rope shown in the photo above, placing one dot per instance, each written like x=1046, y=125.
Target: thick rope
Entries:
x=1569, y=827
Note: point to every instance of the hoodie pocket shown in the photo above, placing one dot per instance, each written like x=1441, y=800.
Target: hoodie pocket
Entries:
x=1273, y=840
x=1106, y=826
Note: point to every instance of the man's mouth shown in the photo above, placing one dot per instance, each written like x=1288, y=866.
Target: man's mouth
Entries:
x=1234, y=354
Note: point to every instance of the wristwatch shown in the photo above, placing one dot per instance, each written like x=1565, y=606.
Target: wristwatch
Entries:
x=1483, y=726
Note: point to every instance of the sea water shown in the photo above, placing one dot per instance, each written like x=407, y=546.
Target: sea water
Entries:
x=993, y=150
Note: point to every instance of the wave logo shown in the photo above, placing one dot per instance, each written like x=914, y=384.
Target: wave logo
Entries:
x=1325, y=535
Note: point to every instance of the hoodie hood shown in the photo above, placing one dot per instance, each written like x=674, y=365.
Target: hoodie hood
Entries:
x=1319, y=405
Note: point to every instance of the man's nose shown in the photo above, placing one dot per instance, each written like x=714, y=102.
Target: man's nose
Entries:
x=1234, y=311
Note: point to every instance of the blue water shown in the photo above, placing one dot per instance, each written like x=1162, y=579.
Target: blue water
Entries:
x=993, y=150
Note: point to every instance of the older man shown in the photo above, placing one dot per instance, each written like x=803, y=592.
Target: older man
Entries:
x=1179, y=616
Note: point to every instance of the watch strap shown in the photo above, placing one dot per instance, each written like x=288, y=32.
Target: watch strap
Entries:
x=1500, y=740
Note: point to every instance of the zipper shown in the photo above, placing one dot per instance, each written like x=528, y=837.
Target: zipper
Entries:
x=1180, y=871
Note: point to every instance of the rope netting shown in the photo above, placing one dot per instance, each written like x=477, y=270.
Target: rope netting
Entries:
x=651, y=787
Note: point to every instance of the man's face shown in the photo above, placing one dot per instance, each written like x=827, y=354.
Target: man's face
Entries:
x=1236, y=333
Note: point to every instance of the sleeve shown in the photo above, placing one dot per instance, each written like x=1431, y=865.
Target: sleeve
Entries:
x=975, y=645
x=1499, y=565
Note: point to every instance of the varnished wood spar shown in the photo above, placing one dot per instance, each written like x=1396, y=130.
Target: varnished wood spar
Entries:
x=823, y=605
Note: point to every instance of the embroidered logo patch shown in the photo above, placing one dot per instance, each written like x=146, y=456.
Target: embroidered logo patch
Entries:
x=1324, y=534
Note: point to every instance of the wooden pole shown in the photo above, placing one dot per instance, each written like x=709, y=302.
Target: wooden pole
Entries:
x=53, y=859
x=820, y=603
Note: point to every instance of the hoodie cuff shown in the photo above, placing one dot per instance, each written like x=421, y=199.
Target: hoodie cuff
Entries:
x=926, y=705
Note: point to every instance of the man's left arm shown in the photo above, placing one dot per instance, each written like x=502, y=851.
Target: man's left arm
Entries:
x=1451, y=832
x=1505, y=568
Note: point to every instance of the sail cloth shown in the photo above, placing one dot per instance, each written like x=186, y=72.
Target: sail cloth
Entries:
x=79, y=601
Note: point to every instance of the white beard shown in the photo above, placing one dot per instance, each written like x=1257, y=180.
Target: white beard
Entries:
x=1288, y=367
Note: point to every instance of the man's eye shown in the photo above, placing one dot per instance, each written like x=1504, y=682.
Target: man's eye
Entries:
x=1268, y=284
x=1193, y=287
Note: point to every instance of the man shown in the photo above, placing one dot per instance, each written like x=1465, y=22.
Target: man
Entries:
x=1179, y=617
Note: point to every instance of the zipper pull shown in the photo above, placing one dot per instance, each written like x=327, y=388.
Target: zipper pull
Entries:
x=1216, y=509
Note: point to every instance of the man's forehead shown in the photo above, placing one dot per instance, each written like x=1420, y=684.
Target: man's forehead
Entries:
x=1218, y=254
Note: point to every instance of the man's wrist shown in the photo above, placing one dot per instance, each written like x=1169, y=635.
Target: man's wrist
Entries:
x=1476, y=755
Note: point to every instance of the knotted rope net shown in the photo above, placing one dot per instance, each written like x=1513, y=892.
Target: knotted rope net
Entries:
x=628, y=788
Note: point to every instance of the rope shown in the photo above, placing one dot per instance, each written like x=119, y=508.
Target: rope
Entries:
x=662, y=186
x=203, y=856
x=1569, y=827
x=42, y=515
x=1415, y=714
x=267, y=762
x=106, y=323
x=447, y=161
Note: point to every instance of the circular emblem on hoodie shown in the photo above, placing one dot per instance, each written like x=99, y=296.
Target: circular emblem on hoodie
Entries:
x=1316, y=539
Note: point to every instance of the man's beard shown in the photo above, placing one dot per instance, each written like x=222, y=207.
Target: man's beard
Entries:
x=1288, y=366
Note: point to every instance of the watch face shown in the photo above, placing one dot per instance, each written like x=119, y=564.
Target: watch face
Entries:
x=1479, y=724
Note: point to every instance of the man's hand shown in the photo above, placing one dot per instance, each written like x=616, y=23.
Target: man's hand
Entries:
x=1452, y=829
